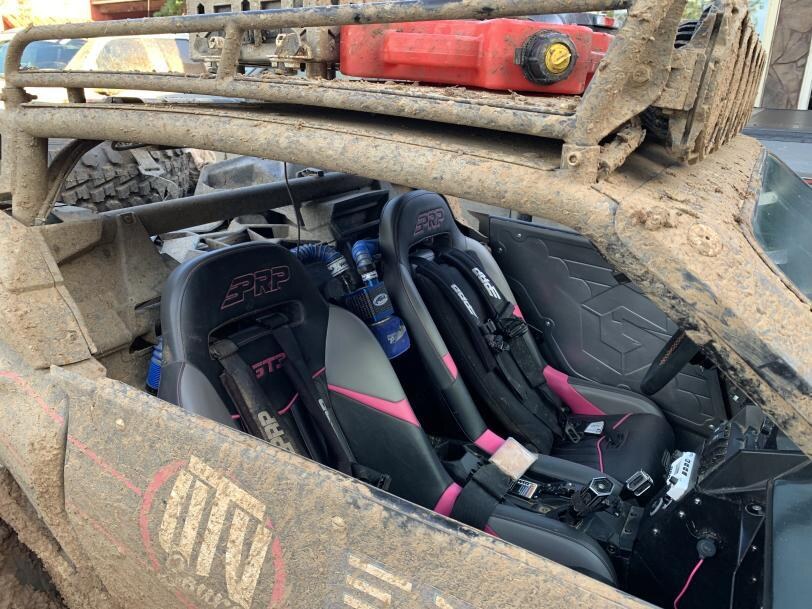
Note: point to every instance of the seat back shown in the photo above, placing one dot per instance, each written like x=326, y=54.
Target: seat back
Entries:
x=228, y=294
x=422, y=219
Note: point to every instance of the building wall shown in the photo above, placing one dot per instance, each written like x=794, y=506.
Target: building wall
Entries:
x=56, y=10
x=789, y=56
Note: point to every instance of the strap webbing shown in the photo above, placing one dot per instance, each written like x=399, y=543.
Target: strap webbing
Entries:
x=445, y=283
x=314, y=394
x=485, y=489
x=513, y=330
x=316, y=402
x=256, y=414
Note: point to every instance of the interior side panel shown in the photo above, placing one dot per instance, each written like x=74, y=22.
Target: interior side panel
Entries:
x=596, y=325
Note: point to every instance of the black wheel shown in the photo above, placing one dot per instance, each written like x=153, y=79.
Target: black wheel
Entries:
x=106, y=178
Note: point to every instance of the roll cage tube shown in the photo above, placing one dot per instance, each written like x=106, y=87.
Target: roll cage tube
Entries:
x=599, y=130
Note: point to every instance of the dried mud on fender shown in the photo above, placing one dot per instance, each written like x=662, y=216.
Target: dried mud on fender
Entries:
x=18, y=572
x=177, y=511
x=688, y=228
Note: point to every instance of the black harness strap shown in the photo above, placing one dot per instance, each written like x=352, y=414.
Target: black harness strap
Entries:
x=483, y=491
x=317, y=405
x=445, y=283
x=513, y=330
x=256, y=414
x=315, y=396
x=497, y=305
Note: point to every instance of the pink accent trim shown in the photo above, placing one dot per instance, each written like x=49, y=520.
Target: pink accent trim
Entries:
x=288, y=407
x=184, y=601
x=448, y=499
x=621, y=421
x=234, y=417
x=31, y=392
x=318, y=373
x=560, y=383
x=401, y=410
x=489, y=442
x=518, y=312
x=687, y=583
x=490, y=531
x=600, y=454
x=158, y=480
x=84, y=448
x=450, y=365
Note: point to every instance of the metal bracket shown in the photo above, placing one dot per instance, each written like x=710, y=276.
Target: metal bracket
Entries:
x=146, y=164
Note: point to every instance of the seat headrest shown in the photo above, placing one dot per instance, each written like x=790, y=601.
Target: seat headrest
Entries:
x=414, y=217
x=218, y=287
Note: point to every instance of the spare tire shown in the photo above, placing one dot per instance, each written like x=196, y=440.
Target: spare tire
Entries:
x=106, y=178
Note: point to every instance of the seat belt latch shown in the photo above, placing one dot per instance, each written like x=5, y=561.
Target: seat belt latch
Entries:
x=639, y=483
x=571, y=432
x=513, y=459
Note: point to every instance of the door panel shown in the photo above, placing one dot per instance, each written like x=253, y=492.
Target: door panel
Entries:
x=595, y=326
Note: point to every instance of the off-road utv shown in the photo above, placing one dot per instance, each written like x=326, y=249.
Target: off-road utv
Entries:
x=326, y=390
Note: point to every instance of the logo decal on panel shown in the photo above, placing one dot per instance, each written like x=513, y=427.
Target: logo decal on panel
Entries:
x=428, y=221
x=210, y=532
x=363, y=583
x=263, y=281
x=269, y=365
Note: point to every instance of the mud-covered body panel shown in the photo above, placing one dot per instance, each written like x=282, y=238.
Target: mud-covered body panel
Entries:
x=165, y=506
x=132, y=502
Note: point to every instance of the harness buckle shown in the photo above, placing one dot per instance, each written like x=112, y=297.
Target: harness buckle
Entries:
x=639, y=483
x=571, y=432
x=496, y=342
x=513, y=327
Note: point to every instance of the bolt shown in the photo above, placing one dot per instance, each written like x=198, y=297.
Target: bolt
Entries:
x=655, y=531
x=697, y=501
x=641, y=74
x=754, y=548
x=753, y=579
x=338, y=522
x=518, y=235
x=120, y=424
x=681, y=514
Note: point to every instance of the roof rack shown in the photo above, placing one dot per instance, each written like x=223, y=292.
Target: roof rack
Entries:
x=695, y=97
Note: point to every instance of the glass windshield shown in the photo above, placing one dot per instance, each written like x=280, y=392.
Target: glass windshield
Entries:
x=44, y=54
x=783, y=222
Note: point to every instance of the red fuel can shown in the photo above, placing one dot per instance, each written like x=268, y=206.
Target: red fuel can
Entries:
x=498, y=54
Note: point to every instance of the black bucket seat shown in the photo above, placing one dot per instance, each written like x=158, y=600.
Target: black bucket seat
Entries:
x=249, y=342
x=451, y=293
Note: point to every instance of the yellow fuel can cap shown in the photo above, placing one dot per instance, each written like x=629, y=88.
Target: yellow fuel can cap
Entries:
x=547, y=57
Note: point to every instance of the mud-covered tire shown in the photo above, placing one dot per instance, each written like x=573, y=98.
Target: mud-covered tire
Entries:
x=106, y=178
